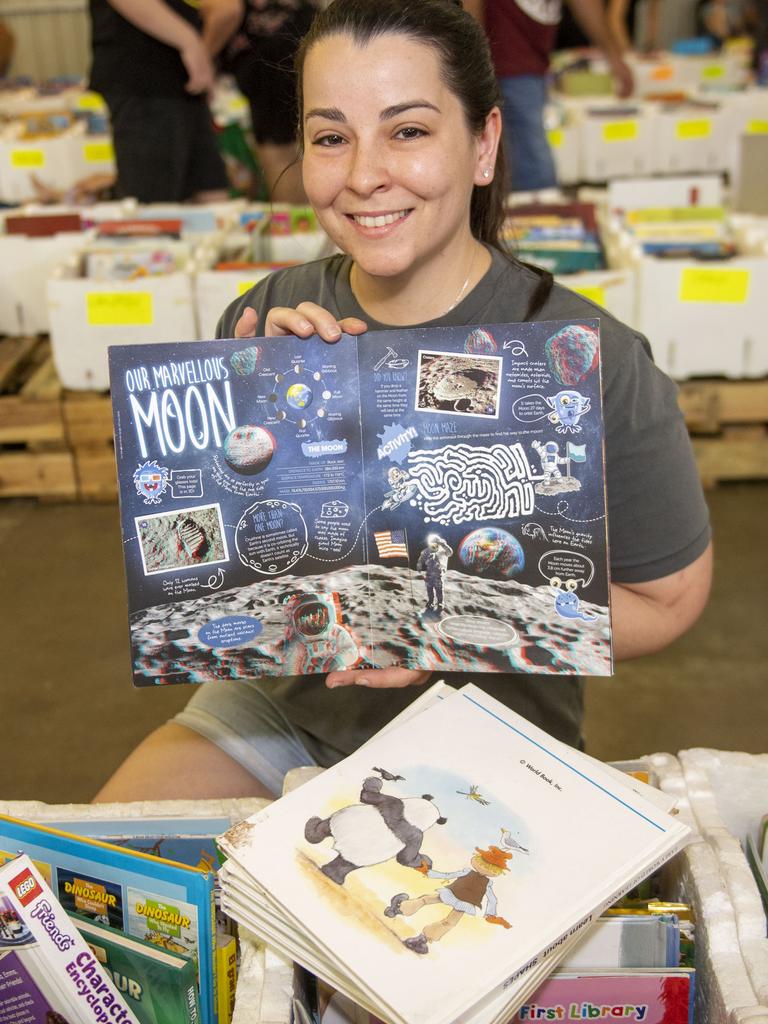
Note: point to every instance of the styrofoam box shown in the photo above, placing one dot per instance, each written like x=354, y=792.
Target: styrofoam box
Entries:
x=675, y=190
x=614, y=143
x=27, y=263
x=94, y=154
x=564, y=142
x=215, y=289
x=725, y=993
x=87, y=316
x=614, y=290
x=705, y=319
x=724, y=791
x=689, y=139
x=54, y=161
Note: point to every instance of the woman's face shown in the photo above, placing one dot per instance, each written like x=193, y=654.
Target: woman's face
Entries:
x=389, y=161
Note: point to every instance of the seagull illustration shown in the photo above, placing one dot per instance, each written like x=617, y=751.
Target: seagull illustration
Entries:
x=509, y=843
x=474, y=794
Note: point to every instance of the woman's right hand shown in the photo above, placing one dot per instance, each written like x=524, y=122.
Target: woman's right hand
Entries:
x=306, y=319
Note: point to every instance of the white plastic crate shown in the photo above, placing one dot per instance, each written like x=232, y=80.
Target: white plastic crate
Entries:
x=87, y=316
x=614, y=290
x=690, y=138
x=615, y=141
x=27, y=263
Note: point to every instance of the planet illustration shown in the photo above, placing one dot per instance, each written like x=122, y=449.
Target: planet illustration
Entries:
x=572, y=353
x=480, y=342
x=299, y=396
x=492, y=553
x=248, y=448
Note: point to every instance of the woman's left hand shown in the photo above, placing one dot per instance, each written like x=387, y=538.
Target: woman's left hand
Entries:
x=379, y=678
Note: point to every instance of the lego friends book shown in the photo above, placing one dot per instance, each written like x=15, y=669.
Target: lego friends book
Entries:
x=430, y=875
x=430, y=499
x=168, y=904
x=48, y=975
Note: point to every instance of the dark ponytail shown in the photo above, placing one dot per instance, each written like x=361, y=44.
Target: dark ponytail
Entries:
x=467, y=70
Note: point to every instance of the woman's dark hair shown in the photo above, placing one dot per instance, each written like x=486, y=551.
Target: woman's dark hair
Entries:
x=467, y=70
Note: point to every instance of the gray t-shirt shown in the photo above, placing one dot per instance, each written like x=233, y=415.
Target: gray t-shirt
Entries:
x=657, y=518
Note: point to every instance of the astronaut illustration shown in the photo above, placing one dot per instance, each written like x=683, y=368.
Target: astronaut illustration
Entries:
x=401, y=488
x=551, y=459
x=380, y=828
x=433, y=562
x=470, y=892
x=568, y=408
x=315, y=640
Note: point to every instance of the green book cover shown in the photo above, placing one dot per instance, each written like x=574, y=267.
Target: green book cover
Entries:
x=159, y=986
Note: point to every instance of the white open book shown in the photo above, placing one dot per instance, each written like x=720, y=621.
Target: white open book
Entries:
x=440, y=872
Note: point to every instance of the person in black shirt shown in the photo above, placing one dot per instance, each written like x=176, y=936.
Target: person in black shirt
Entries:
x=151, y=66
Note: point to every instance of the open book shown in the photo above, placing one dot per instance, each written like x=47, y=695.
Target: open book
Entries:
x=432, y=499
x=431, y=875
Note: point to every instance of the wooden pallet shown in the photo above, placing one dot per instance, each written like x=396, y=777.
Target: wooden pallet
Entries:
x=34, y=456
x=55, y=445
x=728, y=423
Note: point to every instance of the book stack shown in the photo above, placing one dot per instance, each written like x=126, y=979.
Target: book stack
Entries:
x=145, y=918
x=560, y=237
x=429, y=877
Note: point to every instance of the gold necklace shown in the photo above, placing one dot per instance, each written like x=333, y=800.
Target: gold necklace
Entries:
x=463, y=288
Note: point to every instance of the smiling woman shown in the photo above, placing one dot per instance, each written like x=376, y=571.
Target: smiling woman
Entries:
x=403, y=162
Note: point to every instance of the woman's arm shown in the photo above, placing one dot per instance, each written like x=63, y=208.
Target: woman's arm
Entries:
x=646, y=617
x=163, y=23
x=221, y=19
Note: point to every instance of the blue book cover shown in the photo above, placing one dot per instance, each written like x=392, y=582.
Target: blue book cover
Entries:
x=168, y=904
x=424, y=498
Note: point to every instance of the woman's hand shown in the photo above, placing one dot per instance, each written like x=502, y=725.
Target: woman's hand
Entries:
x=306, y=319
x=378, y=678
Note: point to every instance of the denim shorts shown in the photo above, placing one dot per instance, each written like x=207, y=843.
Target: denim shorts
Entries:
x=240, y=720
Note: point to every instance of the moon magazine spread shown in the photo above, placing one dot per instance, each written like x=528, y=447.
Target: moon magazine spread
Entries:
x=424, y=498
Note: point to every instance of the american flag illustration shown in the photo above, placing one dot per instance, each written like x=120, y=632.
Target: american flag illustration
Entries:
x=391, y=544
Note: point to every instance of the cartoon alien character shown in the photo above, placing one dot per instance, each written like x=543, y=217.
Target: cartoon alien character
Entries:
x=568, y=408
x=433, y=562
x=567, y=603
x=401, y=488
x=471, y=892
x=315, y=639
x=551, y=459
x=379, y=828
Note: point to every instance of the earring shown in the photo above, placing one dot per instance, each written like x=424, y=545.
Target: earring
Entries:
x=486, y=173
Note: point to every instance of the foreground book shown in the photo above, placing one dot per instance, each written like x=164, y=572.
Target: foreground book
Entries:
x=431, y=499
x=48, y=974
x=168, y=904
x=430, y=875
x=158, y=985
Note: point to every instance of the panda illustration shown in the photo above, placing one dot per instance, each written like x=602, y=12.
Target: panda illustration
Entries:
x=379, y=828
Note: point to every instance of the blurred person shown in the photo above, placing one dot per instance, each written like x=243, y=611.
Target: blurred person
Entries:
x=522, y=35
x=255, y=41
x=151, y=66
x=622, y=18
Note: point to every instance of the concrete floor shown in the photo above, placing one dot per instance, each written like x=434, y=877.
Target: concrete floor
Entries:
x=70, y=714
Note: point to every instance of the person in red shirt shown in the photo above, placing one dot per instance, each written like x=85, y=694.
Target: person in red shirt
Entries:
x=522, y=36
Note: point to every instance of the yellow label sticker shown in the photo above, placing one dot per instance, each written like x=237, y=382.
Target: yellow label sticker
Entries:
x=662, y=73
x=237, y=104
x=700, y=129
x=27, y=158
x=713, y=71
x=555, y=137
x=91, y=101
x=112, y=309
x=757, y=128
x=99, y=152
x=593, y=292
x=620, y=131
x=711, y=285
x=245, y=286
